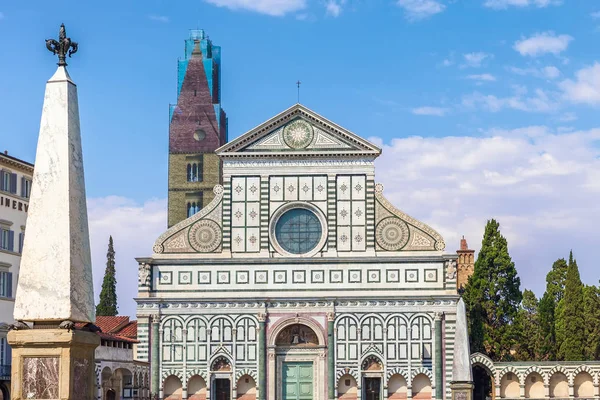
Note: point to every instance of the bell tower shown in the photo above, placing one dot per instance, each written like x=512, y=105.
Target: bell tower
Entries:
x=466, y=263
x=198, y=126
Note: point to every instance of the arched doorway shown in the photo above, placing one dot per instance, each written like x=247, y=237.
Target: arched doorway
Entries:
x=111, y=395
x=483, y=380
x=297, y=360
x=372, y=372
x=220, y=370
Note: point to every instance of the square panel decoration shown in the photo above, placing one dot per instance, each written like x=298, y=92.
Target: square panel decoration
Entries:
x=373, y=276
x=355, y=276
x=185, y=277
x=411, y=275
x=242, y=277
x=280, y=276
x=165, y=277
x=261, y=277
x=204, y=278
x=299, y=276
x=317, y=276
x=336, y=276
x=223, y=277
x=431, y=275
x=392, y=276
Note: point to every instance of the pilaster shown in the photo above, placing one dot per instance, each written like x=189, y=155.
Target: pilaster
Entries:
x=155, y=357
x=262, y=357
x=439, y=358
x=330, y=356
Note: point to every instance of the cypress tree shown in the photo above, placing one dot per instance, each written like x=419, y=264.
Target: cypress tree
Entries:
x=493, y=296
x=591, y=311
x=108, y=296
x=555, y=287
x=546, y=347
x=526, y=328
x=571, y=320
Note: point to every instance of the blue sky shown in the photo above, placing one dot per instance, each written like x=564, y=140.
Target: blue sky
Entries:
x=485, y=108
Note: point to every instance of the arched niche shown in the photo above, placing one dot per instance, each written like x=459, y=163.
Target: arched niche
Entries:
x=397, y=388
x=584, y=385
x=347, y=388
x=173, y=388
x=510, y=386
x=421, y=387
x=307, y=322
x=246, y=388
x=534, y=386
x=559, y=385
x=196, y=388
x=297, y=335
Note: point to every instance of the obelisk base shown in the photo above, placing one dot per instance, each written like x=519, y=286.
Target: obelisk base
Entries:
x=53, y=364
x=462, y=390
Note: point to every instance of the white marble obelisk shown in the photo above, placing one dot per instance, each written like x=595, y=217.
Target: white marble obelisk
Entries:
x=55, y=281
x=462, y=375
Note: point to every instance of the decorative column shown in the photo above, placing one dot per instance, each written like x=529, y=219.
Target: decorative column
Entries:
x=330, y=356
x=439, y=358
x=462, y=374
x=155, y=357
x=262, y=356
x=55, y=289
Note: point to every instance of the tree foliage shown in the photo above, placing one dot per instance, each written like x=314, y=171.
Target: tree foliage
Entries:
x=527, y=329
x=108, y=296
x=591, y=316
x=493, y=296
x=546, y=347
x=570, y=322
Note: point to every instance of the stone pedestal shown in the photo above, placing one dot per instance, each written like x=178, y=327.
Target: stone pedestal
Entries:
x=53, y=364
x=462, y=390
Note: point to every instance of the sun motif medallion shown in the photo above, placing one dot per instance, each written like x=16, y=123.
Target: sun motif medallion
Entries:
x=298, y=134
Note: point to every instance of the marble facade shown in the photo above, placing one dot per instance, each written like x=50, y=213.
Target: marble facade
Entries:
x=299, y=281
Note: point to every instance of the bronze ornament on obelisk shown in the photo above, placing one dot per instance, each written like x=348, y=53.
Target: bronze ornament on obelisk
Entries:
x=54, y=338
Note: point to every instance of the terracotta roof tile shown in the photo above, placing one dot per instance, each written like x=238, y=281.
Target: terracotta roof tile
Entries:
x=111, y=324
x=129, y=331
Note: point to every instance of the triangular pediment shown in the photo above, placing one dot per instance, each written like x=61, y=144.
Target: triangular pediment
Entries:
x=299, y=131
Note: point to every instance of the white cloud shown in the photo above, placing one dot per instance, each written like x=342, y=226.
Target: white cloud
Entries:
x=544, y=197
x=548, y=72
x=334, y=7
x=420, y=9
x=543, y=43
x=585, y=88
x=159, y=18
x=275, y=8
x=540, y=101
x=476, y=59
x=482, y=77
x=568, y=117
x=504, y=4
x=433, y=111
x=134, y=228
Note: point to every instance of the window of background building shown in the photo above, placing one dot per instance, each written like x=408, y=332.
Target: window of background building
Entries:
x=195, y=169
x=194, y=204
x=8, y=182
x=7, y=239
x=25, y=187
x=21, y=240
x=5, y=353
x=6, y=284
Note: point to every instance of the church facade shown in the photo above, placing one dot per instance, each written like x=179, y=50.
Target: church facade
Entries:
x=299, y=280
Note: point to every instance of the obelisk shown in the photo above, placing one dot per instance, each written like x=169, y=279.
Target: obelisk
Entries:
x=55, y=297
x=462, y=375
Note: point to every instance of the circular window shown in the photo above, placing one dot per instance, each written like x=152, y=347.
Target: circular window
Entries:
x=298, y=231
x=199, y=134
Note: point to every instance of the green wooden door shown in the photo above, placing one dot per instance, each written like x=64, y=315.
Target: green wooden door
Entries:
x=297, y=381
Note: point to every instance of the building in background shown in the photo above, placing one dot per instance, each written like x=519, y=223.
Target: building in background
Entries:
x=466, y=264
x=15, y=188
x=198, y=126
x=118, y=374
